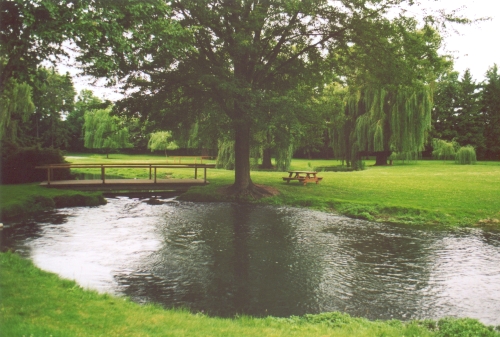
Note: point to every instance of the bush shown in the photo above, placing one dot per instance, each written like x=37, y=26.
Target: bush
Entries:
x=443, y=150
x=18, y=164
x=358, y=165
x=466, y=155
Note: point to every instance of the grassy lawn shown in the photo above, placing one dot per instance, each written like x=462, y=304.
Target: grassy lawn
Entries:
x=426, y=192
x=37, y=303
x=28, y=198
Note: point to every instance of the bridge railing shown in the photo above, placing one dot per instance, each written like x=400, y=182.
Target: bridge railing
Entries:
x=152, y=168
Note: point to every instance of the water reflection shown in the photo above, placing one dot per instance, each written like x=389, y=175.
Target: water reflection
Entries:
x=226, y=259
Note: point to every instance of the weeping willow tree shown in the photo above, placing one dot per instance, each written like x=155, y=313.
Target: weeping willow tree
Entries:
x=466, y=155
x=104, y=131
x=15, y=106
x=161, y=140
x=226, y=158
x=443, y=150
x=225, y=154
x=381, y=121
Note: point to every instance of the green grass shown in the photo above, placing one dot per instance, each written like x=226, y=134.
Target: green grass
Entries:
x=24, y=199
x=37, y=303
x=425, y=192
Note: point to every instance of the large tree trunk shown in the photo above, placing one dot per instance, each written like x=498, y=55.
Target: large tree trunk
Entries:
x=266, y=159
x=242, y=180
x=266, y=153
x=243, y=186
x=381, y=158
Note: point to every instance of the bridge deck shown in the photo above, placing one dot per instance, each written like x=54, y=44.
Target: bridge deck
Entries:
x=126, y=184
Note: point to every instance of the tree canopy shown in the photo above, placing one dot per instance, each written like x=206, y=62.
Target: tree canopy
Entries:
x=161, y=140
x=105, y=131
x=32, y=32
x=53, y=97
x=191, y=61
x=387, y=109
x=490, y=107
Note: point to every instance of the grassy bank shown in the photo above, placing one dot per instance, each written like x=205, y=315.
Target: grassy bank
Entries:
x=426, y=192
x=22, y=199
x=37, y=303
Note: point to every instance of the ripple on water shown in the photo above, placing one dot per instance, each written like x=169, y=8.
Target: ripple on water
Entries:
x=226, y=259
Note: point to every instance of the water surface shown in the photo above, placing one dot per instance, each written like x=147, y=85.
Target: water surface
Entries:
x=226, y=259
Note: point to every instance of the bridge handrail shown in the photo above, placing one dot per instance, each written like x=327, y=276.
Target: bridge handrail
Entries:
x=98, y=165
x=151, y=166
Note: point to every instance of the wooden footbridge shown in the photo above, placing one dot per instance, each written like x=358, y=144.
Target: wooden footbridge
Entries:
x=154, y=183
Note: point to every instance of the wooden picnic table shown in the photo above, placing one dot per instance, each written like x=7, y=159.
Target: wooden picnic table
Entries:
x=303, y=176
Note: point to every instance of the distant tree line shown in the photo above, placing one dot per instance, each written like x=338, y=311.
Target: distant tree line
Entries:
x=468, y=112
x=463, y=111
x=252, y=80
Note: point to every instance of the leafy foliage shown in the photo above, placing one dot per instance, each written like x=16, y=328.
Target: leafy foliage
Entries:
x=444, y=150
x=86, y=101
x=161, y=140
x=457, y=115
x=105, y=131
x=224, y=57
x=53, y=97
x=32, y=32
x=466, y=155
x=16, y=106
x=490, y=102
x=18, y=164
x=383, y=120
x=225, y=158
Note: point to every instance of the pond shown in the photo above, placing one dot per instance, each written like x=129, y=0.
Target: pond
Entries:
x=226, y=258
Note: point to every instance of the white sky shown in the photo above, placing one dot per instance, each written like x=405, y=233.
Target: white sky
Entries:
x=475, y=46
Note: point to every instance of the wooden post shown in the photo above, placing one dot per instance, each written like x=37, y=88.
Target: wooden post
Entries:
x=205, y=175
x=103, y=174
x=149, y=171
x=195, y=171
x=155, y=174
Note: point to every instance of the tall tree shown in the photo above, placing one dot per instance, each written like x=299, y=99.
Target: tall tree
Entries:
x=161, y=140
x=32, y=32
x=383, y=121
x=86, y=101
x=105, y=131
x=388, y=109
x=470, y=121
x=241, y=48
x=53, y=96
x=16, y=106
x=446, y=101
x=490, y=103
x=457, y=113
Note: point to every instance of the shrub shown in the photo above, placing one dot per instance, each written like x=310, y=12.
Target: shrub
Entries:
x=358, y=165
x=443, y=150
x=18, y=164
x=466, y=155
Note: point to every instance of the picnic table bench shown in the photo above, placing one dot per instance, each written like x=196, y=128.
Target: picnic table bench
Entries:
x=303, y=177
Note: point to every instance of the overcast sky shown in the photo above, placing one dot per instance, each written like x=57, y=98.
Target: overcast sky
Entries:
x=475, y=46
